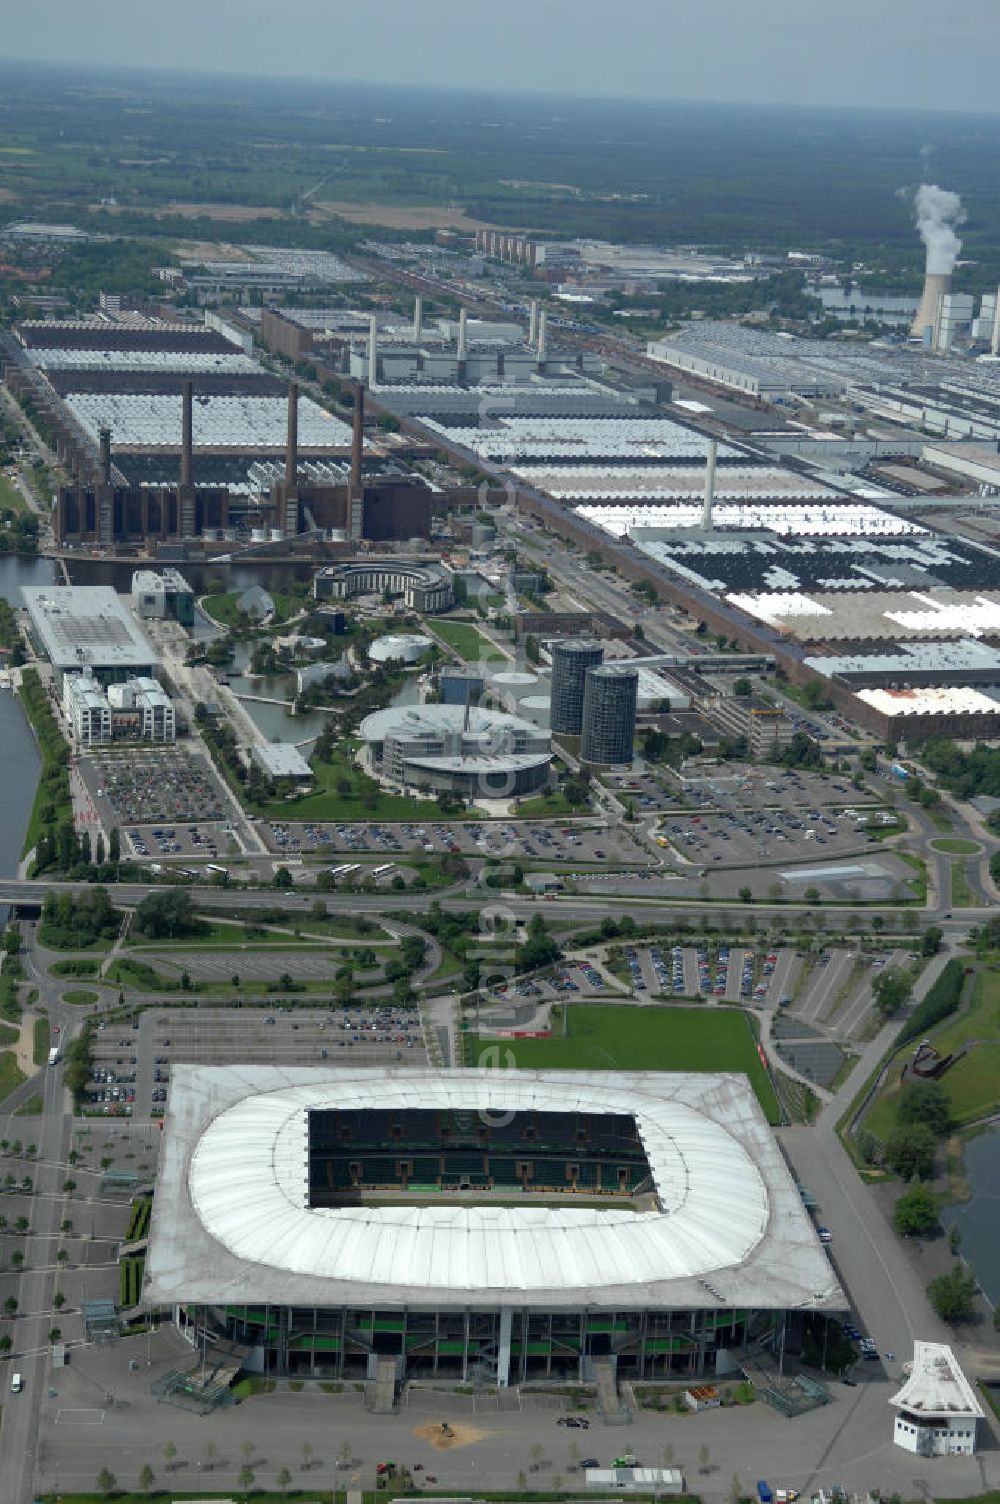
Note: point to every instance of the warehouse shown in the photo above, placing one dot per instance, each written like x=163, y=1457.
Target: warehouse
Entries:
x=86, y=627
x=298, y=1213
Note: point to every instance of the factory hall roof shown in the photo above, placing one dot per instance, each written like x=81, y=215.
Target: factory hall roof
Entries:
x=233, y=1217
x=936, y=1385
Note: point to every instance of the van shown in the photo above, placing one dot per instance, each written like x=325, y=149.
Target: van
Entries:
x=16, y=1383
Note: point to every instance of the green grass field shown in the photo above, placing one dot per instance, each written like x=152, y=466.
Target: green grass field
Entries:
x=652, y=1039
x=80, y=997
x=955, y=846
x=962, y=896
x=343, y=793
x=11, y=499
x=469, y=643
x=973, y=1083
x=11, y=1075
x=40, y=1043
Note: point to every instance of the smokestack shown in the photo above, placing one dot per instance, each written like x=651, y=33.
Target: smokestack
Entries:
x=706, y=511
x=187, y=431
x=938, y=212
x=543, y=334
x=372, y=353
x=995, y=342
x=292, y=440
x=104, y=440
x=533, y=322
x=418, y=320
x=463, y=324
x=357, y=438
x=936, y=286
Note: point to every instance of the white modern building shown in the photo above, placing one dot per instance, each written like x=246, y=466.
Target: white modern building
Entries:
x=503, y=1225
x=138, y=710
x=87, y=629
x=937, y=1409
x=463, y=750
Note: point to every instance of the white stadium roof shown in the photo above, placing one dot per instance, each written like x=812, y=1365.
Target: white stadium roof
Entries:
x=232, y=1215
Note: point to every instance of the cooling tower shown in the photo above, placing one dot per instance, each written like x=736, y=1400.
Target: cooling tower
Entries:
x=936, y=284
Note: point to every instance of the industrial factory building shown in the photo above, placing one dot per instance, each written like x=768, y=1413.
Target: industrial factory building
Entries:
x=657, y=1232
x=86, y=628
x=473, y=753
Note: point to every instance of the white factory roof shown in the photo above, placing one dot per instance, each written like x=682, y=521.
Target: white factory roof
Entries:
x=930, y=700
x=138, y=419
x=186, y=362
x=86, y=626
x=937, y=1387
x=539, y=438
x=232, y=1216
x=961, y=656
x=826, y=519
x=668, y=482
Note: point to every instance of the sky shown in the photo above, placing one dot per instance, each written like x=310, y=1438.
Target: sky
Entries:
x=923, y=54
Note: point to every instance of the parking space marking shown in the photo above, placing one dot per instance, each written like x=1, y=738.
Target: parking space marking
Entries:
x=79, y=1417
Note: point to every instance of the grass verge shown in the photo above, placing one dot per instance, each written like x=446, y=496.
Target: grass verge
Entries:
x=11, y=1074
x=40, y=1045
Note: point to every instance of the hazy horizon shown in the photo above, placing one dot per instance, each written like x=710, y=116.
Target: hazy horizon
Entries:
x=910, y=55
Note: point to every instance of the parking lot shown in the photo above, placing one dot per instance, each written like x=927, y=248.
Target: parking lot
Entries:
x=148, y=787
x=730, y=973
x=131, y=1059
x=744, y=837
x=556, y=840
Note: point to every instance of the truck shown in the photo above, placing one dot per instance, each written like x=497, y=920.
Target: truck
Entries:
x=764, y=1493
x=53, y=1054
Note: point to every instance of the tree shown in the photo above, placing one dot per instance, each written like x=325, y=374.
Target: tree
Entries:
x=282, y=877
x=248, y=1448
x=6, y=1343
x=10, y=1305
x=953, y=1295
x=59, y=1300
x=307, y=1453
x=926, y=1102
x=107, y=1483
x=146, y=1477
x=166, y=914
x=910, y=1150
x=891, y=989
x=746, y=895
x=284, y=1478
x=55, y=1333
x=743, y=688
x=246, y=1477
x=211, y=1455
x=954, y=1238
x=930, y=941
x=169, y=1453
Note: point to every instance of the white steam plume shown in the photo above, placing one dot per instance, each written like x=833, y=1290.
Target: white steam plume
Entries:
x=938, y=211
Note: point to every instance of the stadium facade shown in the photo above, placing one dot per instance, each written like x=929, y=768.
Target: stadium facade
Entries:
x=477, y=1226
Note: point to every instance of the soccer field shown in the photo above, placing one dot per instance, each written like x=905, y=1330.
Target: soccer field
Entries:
x=650, y=1039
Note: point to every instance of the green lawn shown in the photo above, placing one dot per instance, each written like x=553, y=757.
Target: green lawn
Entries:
x=32, y=1108
x=552, y=807
x=468, y=643
x=962, y=896
x=11, y=1075
x=973, y=1083
x=224, y=609
x=85, y=966
x=955, y=846
x=344, y=794
x=40, y=1048
x=644, y=1039
x=80, y=997
x=225, y=936
x=11, y=499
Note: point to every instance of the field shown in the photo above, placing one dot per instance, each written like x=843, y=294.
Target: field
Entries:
x=401, y=217
x=342, y=793
x=467, y=642
x=11, y=1075
x=11, y=499
x=656, y=1039
x=955, y=846
x=973, y=1083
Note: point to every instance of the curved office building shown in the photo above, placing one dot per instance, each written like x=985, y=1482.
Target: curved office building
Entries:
x=609, y=702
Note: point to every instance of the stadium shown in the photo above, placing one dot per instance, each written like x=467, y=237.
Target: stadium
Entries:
x=477, y=1226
